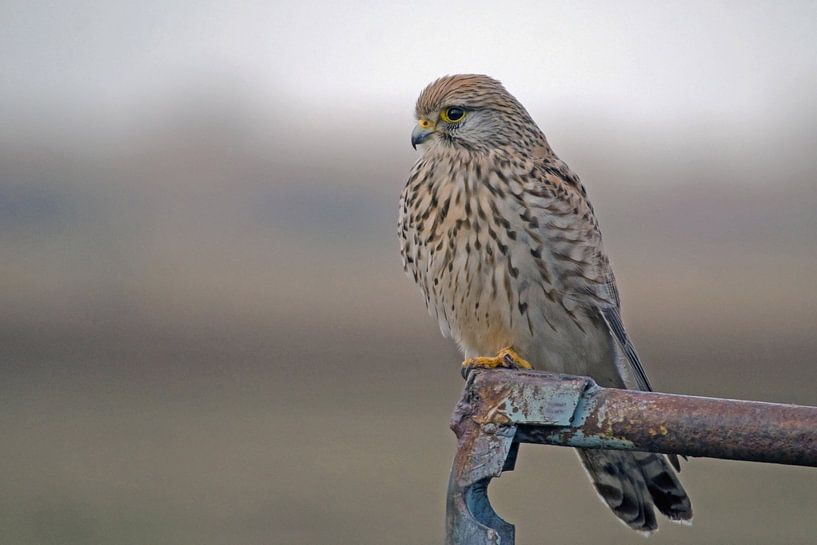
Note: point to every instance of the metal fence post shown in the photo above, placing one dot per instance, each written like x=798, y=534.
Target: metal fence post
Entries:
x=501, y=408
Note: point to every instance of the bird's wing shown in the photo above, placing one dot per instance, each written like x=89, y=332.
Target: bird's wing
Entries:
x=624, y=349
x=626, y=358
x=601, y=294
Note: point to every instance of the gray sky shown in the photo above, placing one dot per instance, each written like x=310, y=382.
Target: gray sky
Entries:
x=642, y=59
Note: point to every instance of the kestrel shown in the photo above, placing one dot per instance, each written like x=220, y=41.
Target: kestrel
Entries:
x=500, y=237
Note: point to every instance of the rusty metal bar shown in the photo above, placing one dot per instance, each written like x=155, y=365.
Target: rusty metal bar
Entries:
x=501, y=408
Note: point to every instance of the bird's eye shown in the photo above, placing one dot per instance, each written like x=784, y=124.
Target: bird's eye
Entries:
x=452, y=115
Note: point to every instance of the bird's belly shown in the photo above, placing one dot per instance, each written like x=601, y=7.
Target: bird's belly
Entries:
x=494, y=279
x=489, y=300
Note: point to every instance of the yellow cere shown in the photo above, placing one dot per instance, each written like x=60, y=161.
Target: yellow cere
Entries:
x=424, y=123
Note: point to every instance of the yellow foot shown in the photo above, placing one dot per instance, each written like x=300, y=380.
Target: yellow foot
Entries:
x=507, y=358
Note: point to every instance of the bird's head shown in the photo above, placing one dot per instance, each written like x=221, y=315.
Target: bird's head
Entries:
x=474, y=112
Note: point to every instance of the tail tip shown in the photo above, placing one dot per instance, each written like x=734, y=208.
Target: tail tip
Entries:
x=683, y=520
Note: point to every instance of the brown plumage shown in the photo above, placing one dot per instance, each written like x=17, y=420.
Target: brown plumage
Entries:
x=500, y=237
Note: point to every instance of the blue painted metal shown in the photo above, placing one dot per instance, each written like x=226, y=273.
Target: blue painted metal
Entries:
x=484, y=450
x=501, y=408
x=541, y=403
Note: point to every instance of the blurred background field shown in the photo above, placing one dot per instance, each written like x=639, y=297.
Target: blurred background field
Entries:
x=206, y=335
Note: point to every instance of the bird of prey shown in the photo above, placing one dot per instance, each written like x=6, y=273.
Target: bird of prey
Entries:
x=502, y=240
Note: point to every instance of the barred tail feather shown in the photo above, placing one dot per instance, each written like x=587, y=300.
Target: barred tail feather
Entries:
x=632, y=483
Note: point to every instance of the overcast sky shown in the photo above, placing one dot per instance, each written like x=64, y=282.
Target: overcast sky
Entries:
x=640, y=58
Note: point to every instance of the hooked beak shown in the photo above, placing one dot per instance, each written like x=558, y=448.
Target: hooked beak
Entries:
x=421, y=132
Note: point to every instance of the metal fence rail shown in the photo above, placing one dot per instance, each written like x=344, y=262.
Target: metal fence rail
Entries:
x=501, y=408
